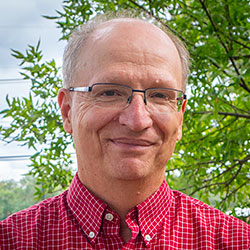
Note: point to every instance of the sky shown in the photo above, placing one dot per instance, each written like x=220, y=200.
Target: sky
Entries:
x=22, y=24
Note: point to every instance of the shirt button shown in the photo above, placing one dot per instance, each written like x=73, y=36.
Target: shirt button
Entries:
x=91, y=235
x=148, y=237
x=109, y=217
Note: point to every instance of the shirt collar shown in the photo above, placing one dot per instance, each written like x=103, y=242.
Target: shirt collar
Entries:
x=88, y=210
x=153, y=211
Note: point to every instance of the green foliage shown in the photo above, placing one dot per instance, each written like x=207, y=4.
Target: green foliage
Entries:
x=15, y=196
x=37, y=122
x=18, y=195
x=212, y=160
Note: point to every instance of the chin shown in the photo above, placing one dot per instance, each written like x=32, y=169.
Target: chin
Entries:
x=131, y=169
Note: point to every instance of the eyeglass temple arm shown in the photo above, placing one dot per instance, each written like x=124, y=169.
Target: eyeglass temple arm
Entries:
x=81, y=89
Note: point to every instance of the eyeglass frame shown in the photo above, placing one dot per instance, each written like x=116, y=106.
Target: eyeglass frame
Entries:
x=89, y=89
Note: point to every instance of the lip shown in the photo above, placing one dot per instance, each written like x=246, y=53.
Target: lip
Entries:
x=131, y=143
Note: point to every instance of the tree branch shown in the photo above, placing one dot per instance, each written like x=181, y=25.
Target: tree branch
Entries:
x=234, y=107
x=227, y=11
x=206, y=186
x=226, y=183
x=190, y=13
x=209, y=134
x=240, y=162
x=240, y=43
x=240, y=57
x=191, y=165
x=159, y=20
x=224, y=113
x=242, y=84
x=233, y=192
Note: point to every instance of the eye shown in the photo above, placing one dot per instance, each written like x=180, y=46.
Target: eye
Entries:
x=110, y=93
x=160, y=95
x=106, y=93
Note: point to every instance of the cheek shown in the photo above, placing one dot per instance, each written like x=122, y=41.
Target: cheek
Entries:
x=79, y=119
x=95, y=119
x=169, y=126
x=89, y=121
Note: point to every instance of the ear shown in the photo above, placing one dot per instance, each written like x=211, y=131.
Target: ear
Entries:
x=179, y=133
x=65, y=104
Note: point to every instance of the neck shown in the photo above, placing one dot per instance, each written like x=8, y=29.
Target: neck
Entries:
x=124, y=196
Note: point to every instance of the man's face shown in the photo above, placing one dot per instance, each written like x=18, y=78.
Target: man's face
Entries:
x=127, y=144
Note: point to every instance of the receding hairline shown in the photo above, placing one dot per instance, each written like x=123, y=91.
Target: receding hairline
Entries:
x=128, y=20
x=87, y=30
x=119, y=20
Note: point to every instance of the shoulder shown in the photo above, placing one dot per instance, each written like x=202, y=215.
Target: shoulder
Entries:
x=31, y=227
x=39, y=213
x=208, y=216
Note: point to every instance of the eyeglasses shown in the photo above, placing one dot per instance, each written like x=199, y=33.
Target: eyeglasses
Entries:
x=119, y=96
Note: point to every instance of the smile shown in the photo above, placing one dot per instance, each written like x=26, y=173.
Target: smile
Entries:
x=128, y=143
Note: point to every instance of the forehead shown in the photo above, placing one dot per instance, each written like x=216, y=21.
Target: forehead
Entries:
x=127, y=29
x=129, y=47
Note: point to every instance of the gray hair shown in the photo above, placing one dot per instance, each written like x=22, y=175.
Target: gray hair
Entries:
x=80, y=35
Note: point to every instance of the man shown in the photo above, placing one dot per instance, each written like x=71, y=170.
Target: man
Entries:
x=123, y=102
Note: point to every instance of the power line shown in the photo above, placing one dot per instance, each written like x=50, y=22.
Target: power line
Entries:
x=12, y=79
x=25, y=27
x=14, y=157
x=19, y=157
x=10, y=66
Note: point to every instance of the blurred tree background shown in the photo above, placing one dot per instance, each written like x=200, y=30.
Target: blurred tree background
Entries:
x=15, y=196
x=18, y=195
x=212, y=161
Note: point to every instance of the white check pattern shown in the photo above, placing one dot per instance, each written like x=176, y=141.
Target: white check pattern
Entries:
x=168, y=219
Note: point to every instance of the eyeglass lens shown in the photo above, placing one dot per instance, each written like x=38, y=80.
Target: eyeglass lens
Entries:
x=114, y=96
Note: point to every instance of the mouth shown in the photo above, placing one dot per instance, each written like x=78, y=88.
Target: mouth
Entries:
x=132, y=144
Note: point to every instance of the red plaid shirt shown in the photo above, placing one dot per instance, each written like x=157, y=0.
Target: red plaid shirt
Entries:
x=168, y=219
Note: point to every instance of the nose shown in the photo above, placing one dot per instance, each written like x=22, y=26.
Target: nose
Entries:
x=135, y=116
